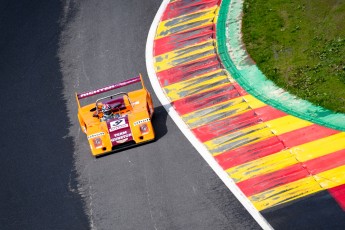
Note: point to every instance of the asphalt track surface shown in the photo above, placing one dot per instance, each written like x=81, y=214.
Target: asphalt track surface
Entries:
x=49, y=180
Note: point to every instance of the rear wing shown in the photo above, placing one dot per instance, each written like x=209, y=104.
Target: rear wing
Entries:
x=84, y=95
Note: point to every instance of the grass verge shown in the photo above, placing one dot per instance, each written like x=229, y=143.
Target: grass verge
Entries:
x=300, y=45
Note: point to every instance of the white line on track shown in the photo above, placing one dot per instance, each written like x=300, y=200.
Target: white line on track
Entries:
x=187, y=132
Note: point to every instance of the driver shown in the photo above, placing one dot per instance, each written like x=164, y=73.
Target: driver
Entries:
x=107, y=112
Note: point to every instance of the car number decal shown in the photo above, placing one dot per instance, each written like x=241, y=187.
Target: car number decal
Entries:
x=118, y=124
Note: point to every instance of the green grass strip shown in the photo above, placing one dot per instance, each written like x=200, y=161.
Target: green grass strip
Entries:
x=300, y=46
x=247, y=74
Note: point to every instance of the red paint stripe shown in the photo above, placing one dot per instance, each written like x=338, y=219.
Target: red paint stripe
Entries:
x=222, y=127
x=182, y=7
x=306, y=134
x=292, y=173
x=267, y=113
x=250, y=152
x=205, y=99
x=183, y=39
x=240, y=89
x=262, y=183
x=327, y=162
x=287, y=140
x=188, y=71
x=231, y=124
x=338, y=193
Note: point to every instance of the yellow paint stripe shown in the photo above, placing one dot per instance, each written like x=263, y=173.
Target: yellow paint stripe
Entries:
x=262, y=166
x=184, y=55
x=197, y=84
x=185, y=22
x=285, y=193
x=253, y=102
x=280, y=160
x=256, y=133
x=276, y=127
x=215, y=20
x=232, y=108
x=300, y=188
x=331, y=178
x=286, y=124
x=240, y=138
x=320, y=147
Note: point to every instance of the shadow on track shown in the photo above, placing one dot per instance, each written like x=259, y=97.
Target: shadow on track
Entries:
x=159, y=122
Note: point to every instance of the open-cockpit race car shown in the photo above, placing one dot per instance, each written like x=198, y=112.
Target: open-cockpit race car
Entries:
x=117, y=121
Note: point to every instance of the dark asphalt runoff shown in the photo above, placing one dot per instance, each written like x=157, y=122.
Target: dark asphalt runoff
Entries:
x=38, y=187
x=49, y=180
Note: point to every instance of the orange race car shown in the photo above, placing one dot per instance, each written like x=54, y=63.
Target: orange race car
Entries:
x=117, y=121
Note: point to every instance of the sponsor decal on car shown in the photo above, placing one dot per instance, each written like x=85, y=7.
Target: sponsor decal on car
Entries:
x=141, y=121
x=107, y=88
x=118, y=124
x=120, y=134
x=96, y=91
x=122, y=141
x=97, y=142
x=121, y=137
x=95, y=135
